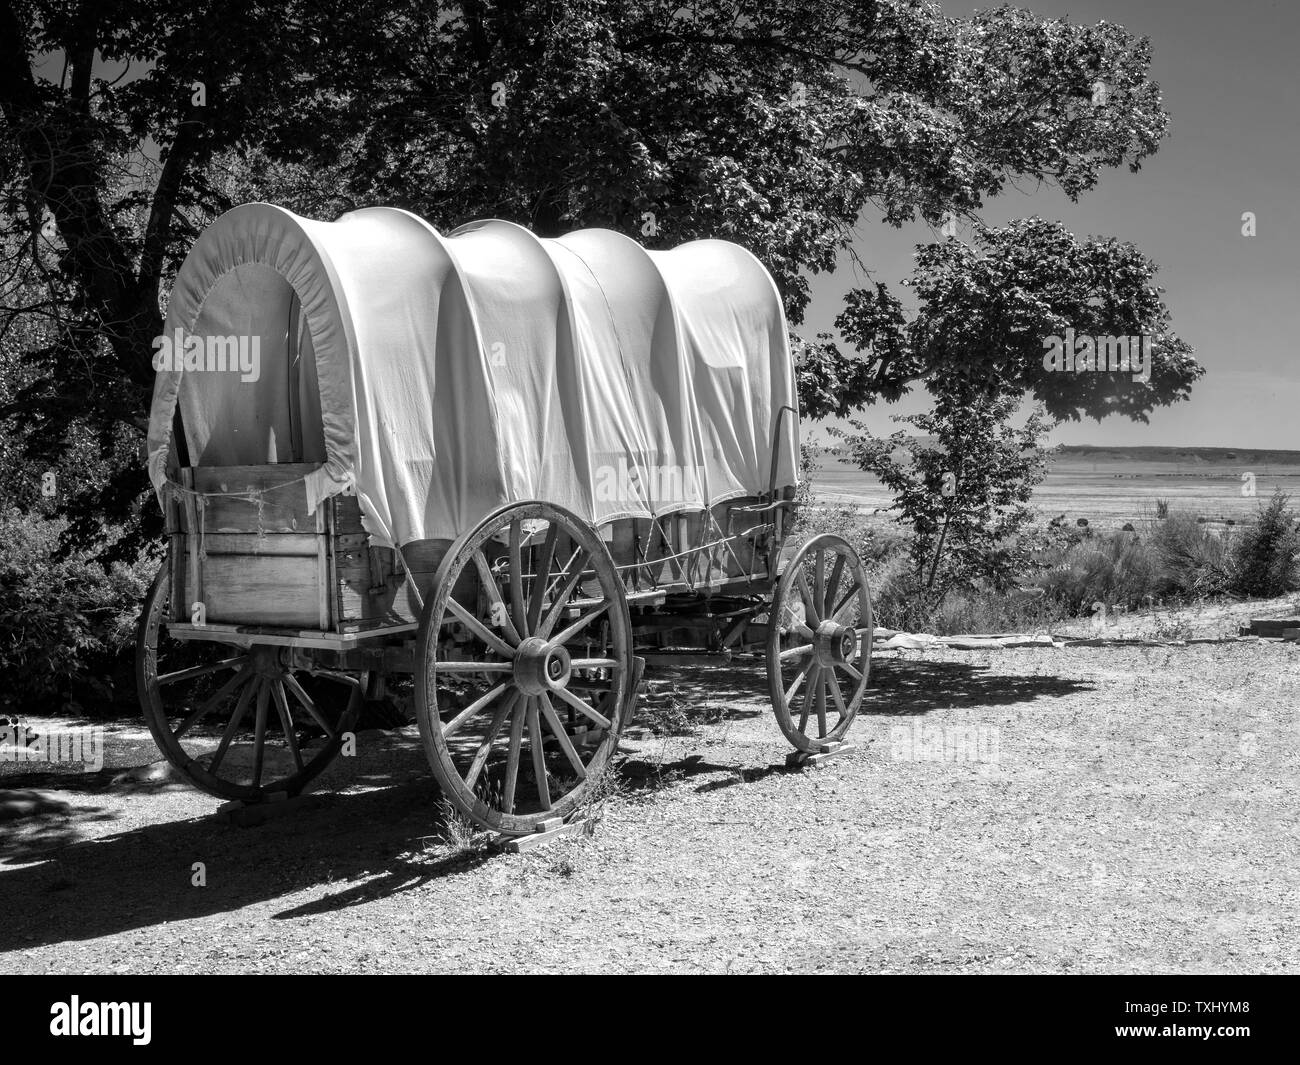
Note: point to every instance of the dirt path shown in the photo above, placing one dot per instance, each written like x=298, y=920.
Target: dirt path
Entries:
x=1140, y=816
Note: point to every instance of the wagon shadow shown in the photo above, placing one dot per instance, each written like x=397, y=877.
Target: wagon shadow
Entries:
x=911, y=686
x=643, y=777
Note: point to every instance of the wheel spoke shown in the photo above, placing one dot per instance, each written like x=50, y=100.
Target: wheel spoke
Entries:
x=539, y=755
x=199, y=671
x=582, y=707
x=563, y=572
x=291, y=682
x=575, y=567
x=286, y=722
x=241, y=708
x=819, y=581
x=586, y=619
x=208, y=705
x=566, y=744
x=475, y=707
x=796, y=652
x=832, y=585
x=849, y=669
x=833, y=683
x=595, y=663
x=259, y=734
x=542, y=577
x=480, y=630
x=807, y=696
x=517, y=580
x=820, y=703
x=798, y=680
x=805, y=593
x=489, y=583
x=512, y=756
x=849, y=596
x=485, y=748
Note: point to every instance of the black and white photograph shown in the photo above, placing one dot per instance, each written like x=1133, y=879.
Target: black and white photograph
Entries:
x=621, y=487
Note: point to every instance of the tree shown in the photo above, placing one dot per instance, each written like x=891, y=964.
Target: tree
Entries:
x=771, y=123
x=962, y=483
x=987, y=313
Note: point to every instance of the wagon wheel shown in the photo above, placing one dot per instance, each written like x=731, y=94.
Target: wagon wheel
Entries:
x=819, y=643
x=261, y=709
x=524, y=648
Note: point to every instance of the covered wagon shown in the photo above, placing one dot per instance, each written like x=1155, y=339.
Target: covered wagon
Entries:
x=510, y=469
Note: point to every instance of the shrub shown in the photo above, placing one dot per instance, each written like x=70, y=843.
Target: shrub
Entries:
x=897, y=595
x=1264, y=561
x=65, y=622
x=1107, y=569
x=1193, y=561
x=988, y=610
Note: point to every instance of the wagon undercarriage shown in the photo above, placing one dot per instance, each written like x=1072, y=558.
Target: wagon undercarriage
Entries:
x=523, y=650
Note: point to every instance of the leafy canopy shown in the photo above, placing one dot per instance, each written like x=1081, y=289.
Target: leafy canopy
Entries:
x=775, y=124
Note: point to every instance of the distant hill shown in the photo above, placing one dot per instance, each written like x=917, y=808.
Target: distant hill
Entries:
x=1208, y=455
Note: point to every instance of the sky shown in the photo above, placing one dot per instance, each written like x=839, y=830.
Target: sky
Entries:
x=1230, y=79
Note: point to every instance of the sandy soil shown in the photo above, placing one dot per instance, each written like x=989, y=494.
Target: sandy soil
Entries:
x=1133, y=809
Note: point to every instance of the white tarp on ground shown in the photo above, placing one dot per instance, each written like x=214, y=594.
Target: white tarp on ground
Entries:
x=441, y=377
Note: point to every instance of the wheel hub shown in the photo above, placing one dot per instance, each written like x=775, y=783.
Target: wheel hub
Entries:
x=541, y=666
x=834, y=643
x=267, y=661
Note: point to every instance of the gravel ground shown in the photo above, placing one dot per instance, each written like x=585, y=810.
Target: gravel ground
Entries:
x=1130, y=809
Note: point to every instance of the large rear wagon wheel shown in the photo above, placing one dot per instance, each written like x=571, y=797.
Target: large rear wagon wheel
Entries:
x=524, y=665
x=238, y=723
x=819, y=643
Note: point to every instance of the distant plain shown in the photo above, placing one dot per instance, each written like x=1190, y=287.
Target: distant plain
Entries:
x=1111, y=486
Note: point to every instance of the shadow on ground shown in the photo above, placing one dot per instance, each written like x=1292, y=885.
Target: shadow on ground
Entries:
x=356, y=847
x=912, y=686
x=898, y=686
x=379, y=838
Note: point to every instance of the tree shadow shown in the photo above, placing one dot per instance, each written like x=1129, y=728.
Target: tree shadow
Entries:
x=911, y=686
x=46, y=831
x=356, y=846
x=144, y=877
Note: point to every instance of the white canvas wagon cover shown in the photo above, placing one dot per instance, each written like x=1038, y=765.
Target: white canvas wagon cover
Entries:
x=440, y=377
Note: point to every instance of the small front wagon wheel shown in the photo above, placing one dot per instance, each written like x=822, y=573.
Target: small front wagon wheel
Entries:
x=819, y=643
x=524, y=667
